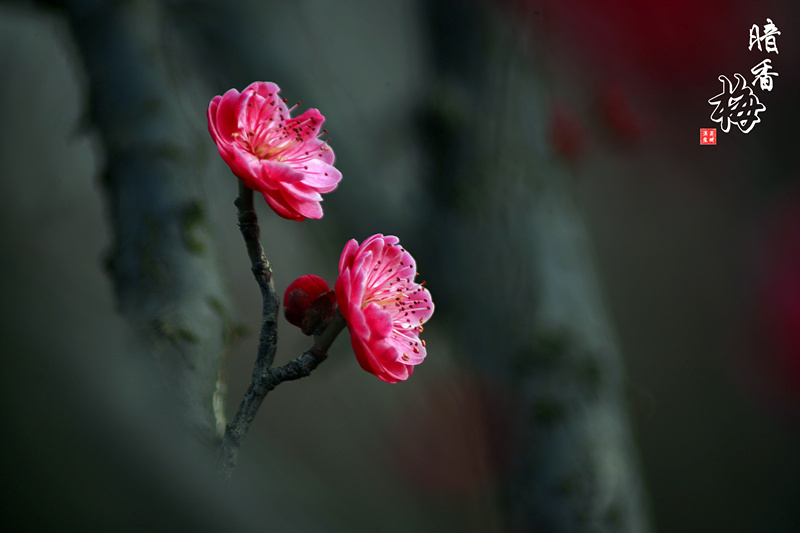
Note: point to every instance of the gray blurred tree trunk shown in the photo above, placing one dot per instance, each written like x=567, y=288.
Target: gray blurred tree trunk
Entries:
x=521, y=280
x=162, y=263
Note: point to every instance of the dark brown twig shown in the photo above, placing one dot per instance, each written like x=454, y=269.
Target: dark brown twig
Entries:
x=266, y=378
x=248, y=225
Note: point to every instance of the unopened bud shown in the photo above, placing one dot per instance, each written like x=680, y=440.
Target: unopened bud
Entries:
x=309, y=303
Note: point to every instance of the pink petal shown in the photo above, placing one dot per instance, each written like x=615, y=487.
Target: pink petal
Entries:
x=373, y=248
x=321, y=176
x=211, y=114
x=359, y=279
x=260, y=111
x=301, y=191
x=349, y=295
x=403, y=348
x=351, y=292
x=423, y=310
x=308, y=123
x=310, y=209
x=320, y=151
x=279, y=205
x=342, y=287
x=278, y=172
x=378, y=321
x=362, y=352
x=391, y=371
x=244, y=111
x=245, y=166
x=355, y=319
x=226, y=117
x=363, y=262
x=357, y=325
x=269, y=101
x=266, y=89
x=390, y=240
x=349, y=251
x=369, y=240
x=377, y=360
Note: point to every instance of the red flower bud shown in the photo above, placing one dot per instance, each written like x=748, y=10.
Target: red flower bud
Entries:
x=309, y=303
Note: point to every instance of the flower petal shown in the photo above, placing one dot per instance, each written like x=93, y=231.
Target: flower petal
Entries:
x=307, y=208
x=346, y=259
x=378, y=360
x=306, y=125
x=301, y=191
x=378, y=321
x=274, y=171
x=225, y=123
x=320, y=151
x=279, y=205
x=266, y=89
x=321, y=176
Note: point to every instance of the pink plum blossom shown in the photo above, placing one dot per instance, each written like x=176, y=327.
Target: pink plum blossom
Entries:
x=273, y=153
x=383, y=305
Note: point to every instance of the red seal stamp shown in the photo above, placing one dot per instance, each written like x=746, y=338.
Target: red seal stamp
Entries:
x=708, y=135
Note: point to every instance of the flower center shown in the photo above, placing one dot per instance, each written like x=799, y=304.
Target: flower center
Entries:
x=265, y=142
x=264, y=151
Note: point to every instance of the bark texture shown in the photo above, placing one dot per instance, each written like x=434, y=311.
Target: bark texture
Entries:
x=163, y=261
x=531, y=312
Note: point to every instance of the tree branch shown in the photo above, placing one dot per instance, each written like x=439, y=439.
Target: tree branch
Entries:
x=265, y=381
x=264, y=377
x=248, y=225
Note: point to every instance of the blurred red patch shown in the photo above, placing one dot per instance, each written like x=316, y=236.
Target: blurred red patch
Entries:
x=679, y=43
x=618, y=115
x=455, y=439
x=567, y=133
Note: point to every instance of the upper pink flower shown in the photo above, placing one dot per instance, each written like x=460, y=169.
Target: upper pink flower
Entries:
x=272, y=153
x=383, y=305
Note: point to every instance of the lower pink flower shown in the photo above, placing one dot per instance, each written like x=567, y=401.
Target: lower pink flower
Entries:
x=383, y=305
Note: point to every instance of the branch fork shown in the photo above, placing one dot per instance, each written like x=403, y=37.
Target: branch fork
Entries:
x=265, y=378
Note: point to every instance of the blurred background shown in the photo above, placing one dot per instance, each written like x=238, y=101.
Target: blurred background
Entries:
x=438, y=112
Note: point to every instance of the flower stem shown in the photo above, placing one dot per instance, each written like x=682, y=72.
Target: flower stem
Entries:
x=248, y=225
x=264, y=377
